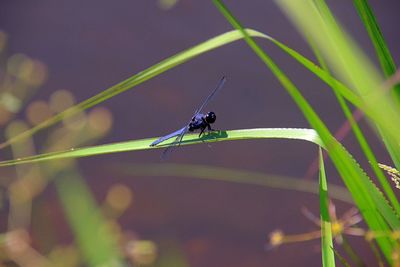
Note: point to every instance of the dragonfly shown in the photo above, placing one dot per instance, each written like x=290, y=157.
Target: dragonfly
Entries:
x=199, y=121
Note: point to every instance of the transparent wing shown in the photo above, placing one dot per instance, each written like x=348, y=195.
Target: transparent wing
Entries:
x=180, y=133
x=219, y=86
x=162, y=139
x=177, y=141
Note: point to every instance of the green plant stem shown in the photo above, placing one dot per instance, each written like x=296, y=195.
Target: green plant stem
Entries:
x=367, y=17
x=360, y=136
x=328, y=256
x=366, y=195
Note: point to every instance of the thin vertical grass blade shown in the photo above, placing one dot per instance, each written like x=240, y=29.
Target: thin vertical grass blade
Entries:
x=385, y=59
x=375, y=34
x=315, y=20
x=387, y=188
x=328, y=256
x=375, y=209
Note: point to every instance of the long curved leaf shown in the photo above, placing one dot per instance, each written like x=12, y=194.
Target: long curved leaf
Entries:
x=137, y=79
x=180, y=58
x=387, y=188
x=143, y=144
x=376, y=211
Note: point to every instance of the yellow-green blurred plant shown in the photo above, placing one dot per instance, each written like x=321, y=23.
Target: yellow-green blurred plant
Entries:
x=342, y=66
x=99, y=240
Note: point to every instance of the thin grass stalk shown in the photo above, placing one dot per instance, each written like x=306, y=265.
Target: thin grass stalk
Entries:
x=359, y=135
x=363, y=191
x=328, y=256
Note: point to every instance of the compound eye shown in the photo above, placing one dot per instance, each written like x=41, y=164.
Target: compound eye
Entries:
x=210, y=117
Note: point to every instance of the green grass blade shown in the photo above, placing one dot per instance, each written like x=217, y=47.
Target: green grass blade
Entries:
x=354, y=67
x=213, y=173
x=143, y=144
x=324, y=75
x=179, y=59
x=381, y=48
x=137, y=79
x=367, y=150
x=375, y=34
x=98, y=246
x=360, y=136
x=328, y=256
x=349, y=63
x=374, y=208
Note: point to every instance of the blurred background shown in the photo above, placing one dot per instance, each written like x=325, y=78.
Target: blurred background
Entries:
x=57, y=53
